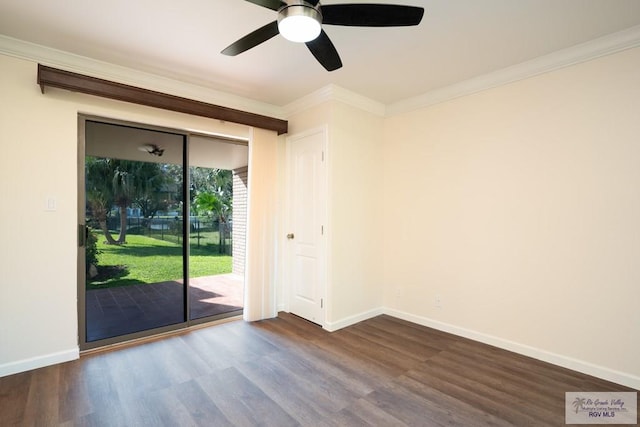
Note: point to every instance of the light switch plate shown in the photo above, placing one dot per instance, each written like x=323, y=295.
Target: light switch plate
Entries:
x=51, y=204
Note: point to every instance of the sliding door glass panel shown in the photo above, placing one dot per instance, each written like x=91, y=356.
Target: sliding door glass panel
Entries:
x=134, y=228
x=217, y=176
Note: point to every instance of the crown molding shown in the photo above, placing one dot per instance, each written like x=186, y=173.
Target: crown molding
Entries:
x=82, y=65
x=609, y=44
x=612, y=43
x=334, y=93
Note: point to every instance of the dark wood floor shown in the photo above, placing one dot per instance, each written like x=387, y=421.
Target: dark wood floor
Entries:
x=287, y=372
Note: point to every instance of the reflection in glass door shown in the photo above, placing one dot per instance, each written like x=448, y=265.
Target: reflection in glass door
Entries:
x=162, y=233
x=134, y=241
x=217, y=176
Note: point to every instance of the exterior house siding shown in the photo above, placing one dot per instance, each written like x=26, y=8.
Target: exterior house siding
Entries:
x=239, y=233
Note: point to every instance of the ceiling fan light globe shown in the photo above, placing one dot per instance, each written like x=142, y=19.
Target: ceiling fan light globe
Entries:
x=299, y=23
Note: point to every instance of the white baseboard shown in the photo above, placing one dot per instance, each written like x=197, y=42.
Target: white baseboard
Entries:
x=39, y=362
x=602, y=372
x=352, y=320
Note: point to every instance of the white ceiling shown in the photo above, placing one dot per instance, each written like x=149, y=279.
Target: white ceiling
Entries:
x=457, y=40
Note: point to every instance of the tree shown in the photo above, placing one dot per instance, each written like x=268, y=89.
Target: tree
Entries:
x=220, y=209
x=123, y=189
x=211, y=193
x=151, y=180
x=119, y=182
x=99, y=194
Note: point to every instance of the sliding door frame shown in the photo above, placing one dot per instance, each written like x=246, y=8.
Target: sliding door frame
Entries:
x=81, y=281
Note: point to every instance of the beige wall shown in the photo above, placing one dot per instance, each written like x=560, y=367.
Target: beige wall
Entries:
x=354, y=208
x=38, y=137
x=39, y=140
x=355, y=212
x=520, y=207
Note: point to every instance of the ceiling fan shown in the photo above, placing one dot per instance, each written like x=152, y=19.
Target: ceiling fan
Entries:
x=301, y=21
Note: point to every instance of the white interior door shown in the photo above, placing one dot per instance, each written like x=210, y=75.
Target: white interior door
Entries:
x=307, y=225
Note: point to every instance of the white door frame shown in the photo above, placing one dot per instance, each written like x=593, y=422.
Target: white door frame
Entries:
x=288, y=248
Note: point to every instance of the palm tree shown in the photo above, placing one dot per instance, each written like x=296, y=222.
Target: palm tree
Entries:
x=135, y=180
x=99, y=192
x=119, y=182
x=123, y=189
x=149, y=197
x=220, y=209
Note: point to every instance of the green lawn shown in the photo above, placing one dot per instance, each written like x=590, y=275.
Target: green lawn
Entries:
x=147, y=260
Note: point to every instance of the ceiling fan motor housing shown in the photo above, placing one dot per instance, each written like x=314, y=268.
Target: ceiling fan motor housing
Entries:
x=299, y=21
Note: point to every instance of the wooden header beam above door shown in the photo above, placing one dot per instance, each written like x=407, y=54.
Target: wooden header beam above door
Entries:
x=61, y=79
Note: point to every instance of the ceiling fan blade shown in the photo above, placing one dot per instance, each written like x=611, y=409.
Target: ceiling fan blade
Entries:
x=313, y=2
x=371, y=15
x=269, y=4
x=325, y=52
x=253, y=39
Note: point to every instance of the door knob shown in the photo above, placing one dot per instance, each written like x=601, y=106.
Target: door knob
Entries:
x=290, y=236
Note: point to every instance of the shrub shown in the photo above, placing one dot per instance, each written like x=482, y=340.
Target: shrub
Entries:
x=91, y=249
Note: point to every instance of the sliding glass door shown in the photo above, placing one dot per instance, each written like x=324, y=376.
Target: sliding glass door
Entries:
x=218, y=211
x=135, y=249
x=159, y=246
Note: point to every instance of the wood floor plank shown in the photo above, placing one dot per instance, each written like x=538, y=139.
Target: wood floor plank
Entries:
x=325, y=356
x=314, y=376
x=386, y=359
x=134, y=372
x=494, y=372
x=242, y=344
x=74, y=398
x=409, y=408
x=99, y=418
x=101, y=384
x=442, y=339
x=370, y=415
x=419, y=351
x=302, y=327
x=358, y=361
x=288, y=372
x=342, y=419
x=13, y=392
x=203, y=410
x=457, y=385
x=178, y=362
x=210, y=354
x=521, y=365
x=289, y=394
x=341, y=364
x=455, y=411
x=322, y=351
x=42, y=407
x=242, y=402
x=164, y=408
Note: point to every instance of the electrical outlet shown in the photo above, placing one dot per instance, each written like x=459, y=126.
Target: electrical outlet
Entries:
x=438, y=301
